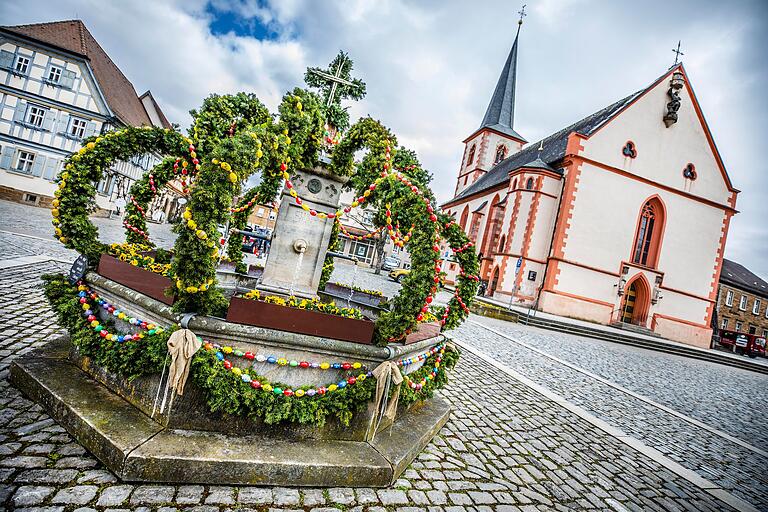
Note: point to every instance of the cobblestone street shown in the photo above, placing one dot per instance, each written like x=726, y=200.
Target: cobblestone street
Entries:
x=541, y=421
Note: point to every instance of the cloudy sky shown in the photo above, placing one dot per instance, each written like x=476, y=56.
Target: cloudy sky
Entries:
x=431, y=66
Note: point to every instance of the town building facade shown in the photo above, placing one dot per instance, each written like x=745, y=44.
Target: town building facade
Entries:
x=742, y=301
x=620, y=218
x=58, y=86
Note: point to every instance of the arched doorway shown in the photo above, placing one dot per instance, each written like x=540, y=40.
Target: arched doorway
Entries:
x=494, y=282
x=635, y=302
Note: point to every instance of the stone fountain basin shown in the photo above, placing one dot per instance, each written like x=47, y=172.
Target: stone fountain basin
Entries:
x=117, y=420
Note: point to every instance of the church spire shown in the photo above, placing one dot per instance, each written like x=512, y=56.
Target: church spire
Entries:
x=500, y=115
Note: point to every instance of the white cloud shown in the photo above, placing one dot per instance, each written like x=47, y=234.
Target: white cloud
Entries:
x=431, y=67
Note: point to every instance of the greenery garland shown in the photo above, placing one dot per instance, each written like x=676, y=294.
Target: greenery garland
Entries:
x=75, y=198
x=233, y=137
x=224, y=391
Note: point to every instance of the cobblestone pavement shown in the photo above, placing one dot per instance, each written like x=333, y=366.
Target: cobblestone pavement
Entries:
x=506, y=447
x=29, y=220
x=706, y=391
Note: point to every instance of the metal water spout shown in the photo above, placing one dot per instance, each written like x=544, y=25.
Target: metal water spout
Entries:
x=300, y=245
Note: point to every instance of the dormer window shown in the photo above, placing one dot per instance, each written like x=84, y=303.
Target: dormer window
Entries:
x=501, y=154
x=471, y=156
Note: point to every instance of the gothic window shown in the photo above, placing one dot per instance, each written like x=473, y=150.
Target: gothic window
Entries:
x=471, y=156
x=501, y=153
x=514, y=184
x=689, y=172
x=529, y=184
x=648, y=234
x=464, y=215
x=629, y=149
x=502, y=243
x=475, y=227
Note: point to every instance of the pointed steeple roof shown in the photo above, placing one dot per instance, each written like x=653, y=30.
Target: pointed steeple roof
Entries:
x=500, y=115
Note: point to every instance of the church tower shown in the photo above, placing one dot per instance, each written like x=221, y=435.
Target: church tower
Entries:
x=496, y=138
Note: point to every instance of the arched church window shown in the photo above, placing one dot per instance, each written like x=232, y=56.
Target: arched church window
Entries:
x=514, y=184
x=529, y=184
x=502, y=243
x=629, y=149
x=689, y=172
x=471, y=156
x=464, y=215
x=648, y=234
x=501, y=153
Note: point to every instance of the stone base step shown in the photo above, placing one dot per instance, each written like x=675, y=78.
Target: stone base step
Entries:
x=136, y=448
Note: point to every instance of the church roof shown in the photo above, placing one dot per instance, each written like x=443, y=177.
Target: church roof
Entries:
x=538, y=164
x=553, y=149
x=738, y=276
x=500, y=115
x=73, y=37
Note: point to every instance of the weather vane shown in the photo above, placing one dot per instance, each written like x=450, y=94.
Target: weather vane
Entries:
x=677, y=52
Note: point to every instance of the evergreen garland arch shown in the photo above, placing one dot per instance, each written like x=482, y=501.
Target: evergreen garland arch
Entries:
x=234, y=137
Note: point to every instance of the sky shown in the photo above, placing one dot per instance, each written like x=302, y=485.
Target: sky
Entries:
x=430, y=66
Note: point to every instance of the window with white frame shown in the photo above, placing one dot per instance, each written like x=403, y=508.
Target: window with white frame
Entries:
x=724, y=323
x=25, y=161
x=260, y=212
x=739, y=323
x=54, y=74
x=22, y=65
x=765, y=333
x=729, y=298
x=743, y=303
x=272, y=215
x=77, y=127
x=35, y=115
x=756, y=307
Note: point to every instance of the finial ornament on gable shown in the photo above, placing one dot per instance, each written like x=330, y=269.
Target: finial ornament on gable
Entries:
x=675, y=84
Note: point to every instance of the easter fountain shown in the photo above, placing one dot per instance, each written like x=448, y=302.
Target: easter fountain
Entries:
x=195, y=386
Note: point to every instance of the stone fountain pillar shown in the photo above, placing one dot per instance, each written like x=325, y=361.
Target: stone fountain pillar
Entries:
x=299, y=242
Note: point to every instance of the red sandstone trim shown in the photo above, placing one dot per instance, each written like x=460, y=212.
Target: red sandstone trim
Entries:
x=582, y=298
x=675, y=319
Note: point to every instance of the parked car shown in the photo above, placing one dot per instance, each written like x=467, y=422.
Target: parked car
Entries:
x=743, y=343
x=399, y=273
x=391, y=263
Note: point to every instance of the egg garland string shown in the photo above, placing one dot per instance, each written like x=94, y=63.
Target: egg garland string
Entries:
x=311, y=391
x=221, y=350
x=85, y=295
x=246, y=377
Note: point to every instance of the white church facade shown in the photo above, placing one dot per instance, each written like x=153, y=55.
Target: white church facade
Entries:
x=621, y=217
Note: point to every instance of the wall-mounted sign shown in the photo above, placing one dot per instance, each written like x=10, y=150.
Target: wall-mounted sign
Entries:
x=531, y=275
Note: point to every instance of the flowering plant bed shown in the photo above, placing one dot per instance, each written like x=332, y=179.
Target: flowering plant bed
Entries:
x=303, y=321
x=368, y=297
x=137, y=278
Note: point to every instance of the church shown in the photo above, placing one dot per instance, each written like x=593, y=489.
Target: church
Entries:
x=620, y=218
